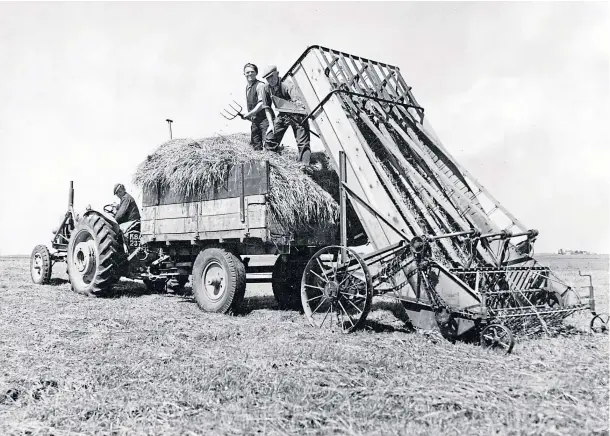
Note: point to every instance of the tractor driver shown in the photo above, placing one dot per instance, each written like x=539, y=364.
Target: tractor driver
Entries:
x=128, y=209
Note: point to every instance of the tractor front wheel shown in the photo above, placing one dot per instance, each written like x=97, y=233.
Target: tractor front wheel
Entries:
x=94, y=255
x=41, y=265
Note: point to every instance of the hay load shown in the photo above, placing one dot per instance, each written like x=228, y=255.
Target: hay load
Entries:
x=187, y=167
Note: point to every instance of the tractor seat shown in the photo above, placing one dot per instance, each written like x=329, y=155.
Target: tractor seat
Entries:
x=130, y=226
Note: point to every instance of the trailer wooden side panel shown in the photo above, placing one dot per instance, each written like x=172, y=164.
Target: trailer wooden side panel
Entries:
x=211, y=219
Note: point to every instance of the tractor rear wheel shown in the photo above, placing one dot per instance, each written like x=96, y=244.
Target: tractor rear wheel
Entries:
x=94, y=255
x=40, y=265
x=219, y=280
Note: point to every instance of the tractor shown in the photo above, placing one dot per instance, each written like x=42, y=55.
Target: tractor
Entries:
x=97, y=251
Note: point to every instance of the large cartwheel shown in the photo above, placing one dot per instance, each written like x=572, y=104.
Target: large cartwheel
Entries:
x=336, y=289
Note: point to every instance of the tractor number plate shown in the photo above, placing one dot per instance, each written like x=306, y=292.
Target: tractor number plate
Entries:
x=134, y=239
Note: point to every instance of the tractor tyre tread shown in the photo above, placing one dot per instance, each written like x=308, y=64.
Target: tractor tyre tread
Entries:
x=107, y=273
x=45, y=276
x=235, y=273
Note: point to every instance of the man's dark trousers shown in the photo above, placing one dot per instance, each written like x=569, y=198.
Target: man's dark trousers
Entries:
x=258, y=131
x=301, y=134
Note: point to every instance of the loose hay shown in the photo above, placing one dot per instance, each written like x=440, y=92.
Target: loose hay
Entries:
x=157, y=365
x=188, y=167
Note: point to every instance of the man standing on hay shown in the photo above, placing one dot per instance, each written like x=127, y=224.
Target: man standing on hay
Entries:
x=259, y=107
x=292, y=113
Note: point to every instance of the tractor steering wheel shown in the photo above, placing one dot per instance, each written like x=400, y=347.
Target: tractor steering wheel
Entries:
x=110, y=208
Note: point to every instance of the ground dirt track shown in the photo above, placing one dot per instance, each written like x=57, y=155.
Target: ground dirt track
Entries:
x=143, y=364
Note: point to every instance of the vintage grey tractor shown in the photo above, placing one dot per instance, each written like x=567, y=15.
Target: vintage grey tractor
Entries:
x=96, y=249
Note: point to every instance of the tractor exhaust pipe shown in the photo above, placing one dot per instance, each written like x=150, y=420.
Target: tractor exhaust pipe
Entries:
x=71, y=195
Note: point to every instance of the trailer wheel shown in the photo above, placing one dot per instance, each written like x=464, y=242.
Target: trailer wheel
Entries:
x=94, y=255
x=336, y=295
x=219, y=280
x=241, y=285
x=497, y=336
x=40, y=265
x=286, y=281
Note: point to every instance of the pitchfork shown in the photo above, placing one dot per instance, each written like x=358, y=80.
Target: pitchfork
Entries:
x=233, y=113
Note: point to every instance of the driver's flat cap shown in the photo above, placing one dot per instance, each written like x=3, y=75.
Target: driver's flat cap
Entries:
x=117, y=187
x=269, y=70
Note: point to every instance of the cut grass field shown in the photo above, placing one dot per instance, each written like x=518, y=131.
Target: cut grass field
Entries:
x=144, y=364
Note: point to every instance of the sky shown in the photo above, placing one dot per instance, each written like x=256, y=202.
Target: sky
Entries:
x=518, y=93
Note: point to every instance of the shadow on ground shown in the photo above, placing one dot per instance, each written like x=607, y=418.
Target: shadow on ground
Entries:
x=134, y=289
x=258, y=302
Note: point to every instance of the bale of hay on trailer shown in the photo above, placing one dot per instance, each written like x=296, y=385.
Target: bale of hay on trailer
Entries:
x=188, y=168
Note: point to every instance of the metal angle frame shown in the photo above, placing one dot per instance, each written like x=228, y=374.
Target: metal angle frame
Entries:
x=312, y=114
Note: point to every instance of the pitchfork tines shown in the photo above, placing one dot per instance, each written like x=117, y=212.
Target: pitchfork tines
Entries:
x=234, y=112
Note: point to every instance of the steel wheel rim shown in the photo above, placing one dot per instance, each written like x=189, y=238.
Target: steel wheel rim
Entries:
x=37, y=266
x=84, y=257
x=496, y=336
x=334, y=295
x=599, y=324
x=214, y=280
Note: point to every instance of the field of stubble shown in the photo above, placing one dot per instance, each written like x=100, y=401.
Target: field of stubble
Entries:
x=144, y=364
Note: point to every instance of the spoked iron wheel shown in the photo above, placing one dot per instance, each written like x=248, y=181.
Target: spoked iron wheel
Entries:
x=336, y=295
x=599, y=323
x=497, y=336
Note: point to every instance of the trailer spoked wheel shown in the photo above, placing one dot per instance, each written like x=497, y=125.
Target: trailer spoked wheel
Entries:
x=219, y=280
x=497, y=336
x=93, y=256
x=599, y=323
x=40, y=265
x=286, y=281
x=335, y=294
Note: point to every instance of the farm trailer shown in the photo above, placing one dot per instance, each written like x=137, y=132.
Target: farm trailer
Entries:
x=222, y=236
x=232, y=221
x=454, y=256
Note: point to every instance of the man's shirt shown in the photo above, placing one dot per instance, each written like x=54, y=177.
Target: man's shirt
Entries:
x=128, y=210
x=256, y=93
x=286, y=91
